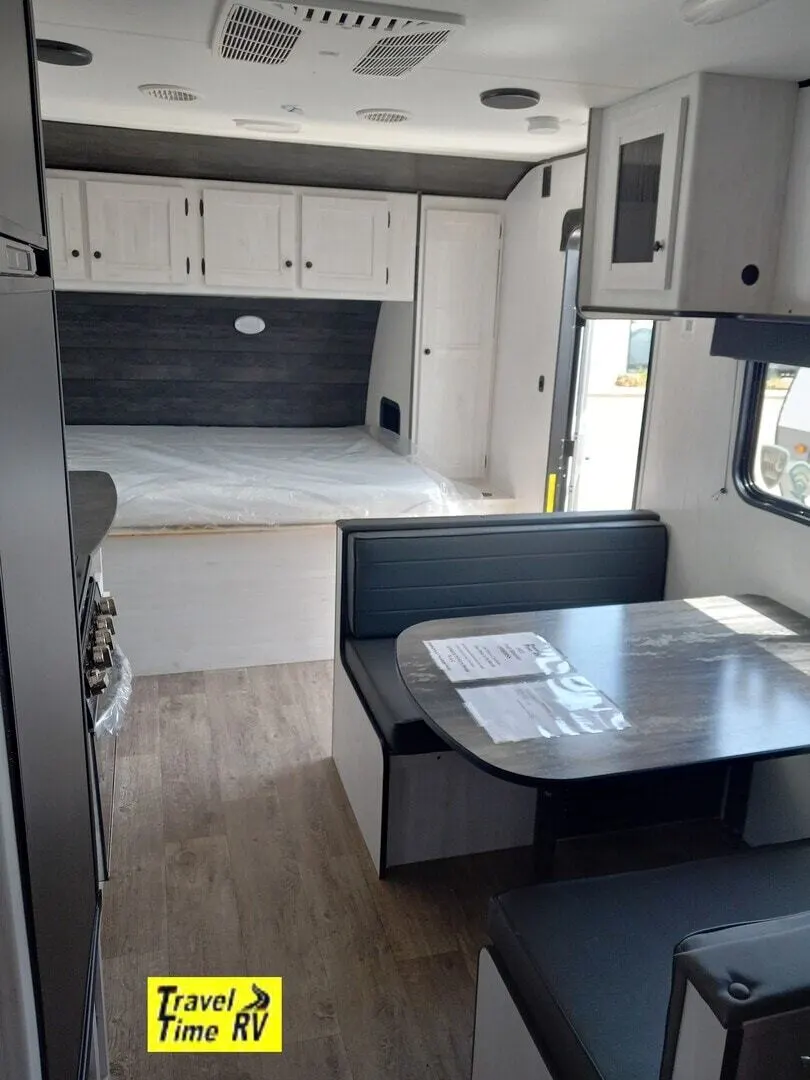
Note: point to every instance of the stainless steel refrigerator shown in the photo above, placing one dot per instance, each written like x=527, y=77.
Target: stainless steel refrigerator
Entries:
x=49, y=899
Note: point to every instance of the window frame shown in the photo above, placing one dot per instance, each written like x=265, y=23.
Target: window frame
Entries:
x=746, y=443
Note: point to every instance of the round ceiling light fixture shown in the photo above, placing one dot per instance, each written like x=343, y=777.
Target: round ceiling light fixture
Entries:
x=268, y=127
x=62, y=53
x=543, y=125
x=169, y=94
x=510, y=97
x=707, y=12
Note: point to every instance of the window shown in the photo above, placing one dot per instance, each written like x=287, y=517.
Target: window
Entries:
x=773, y=452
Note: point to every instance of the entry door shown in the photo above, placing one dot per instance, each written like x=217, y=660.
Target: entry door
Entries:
x=137, y=233
x=456, y=348
x=250, y=238
x=344, y=244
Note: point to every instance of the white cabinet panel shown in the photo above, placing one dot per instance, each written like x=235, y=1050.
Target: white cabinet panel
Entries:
x=250, y=239
x=66, y=230
x=137, y=233
x=344, y=243
x=459, y=291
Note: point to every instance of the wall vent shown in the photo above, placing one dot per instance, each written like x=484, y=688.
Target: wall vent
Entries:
x=254, y=36
x=393, y=57
x=167, y=92
x=383, y=116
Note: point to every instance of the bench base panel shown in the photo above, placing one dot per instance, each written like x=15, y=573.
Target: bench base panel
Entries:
x=502, y=1045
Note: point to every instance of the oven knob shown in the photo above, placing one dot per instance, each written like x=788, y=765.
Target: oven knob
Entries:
x=101, y=657
x=102, y=638
x=106, y=606
x=96, y=681
x=104, y=622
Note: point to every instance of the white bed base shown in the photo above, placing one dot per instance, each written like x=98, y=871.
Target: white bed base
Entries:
x=196, y=601
x=412, y=808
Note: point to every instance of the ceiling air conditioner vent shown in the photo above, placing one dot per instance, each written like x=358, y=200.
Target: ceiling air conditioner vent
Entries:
x=254, y=36
x=179, y=95
x=372, y=18
x=392, y=57
x=384, y=116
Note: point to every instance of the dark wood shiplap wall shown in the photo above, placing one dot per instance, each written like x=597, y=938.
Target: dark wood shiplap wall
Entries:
x=137, y=359
x=208, y=157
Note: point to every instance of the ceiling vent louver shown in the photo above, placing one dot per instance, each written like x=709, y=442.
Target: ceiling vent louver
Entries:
x=255, y=37
x=179, y=95
x=375, y=39
x=383, y=116
x=393, y=57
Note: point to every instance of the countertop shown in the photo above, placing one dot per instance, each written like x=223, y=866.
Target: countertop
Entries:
x=93, y=502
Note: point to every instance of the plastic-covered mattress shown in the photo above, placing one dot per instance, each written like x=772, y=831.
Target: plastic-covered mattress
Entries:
x=176, y=477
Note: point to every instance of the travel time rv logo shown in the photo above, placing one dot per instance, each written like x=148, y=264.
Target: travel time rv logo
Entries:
x=213, y=1015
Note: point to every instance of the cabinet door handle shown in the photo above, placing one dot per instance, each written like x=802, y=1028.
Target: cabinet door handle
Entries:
x=427, y=352
x=308, y=265
x=75, y=253
x=659, y=245
x=288, y=263
x=96, y=254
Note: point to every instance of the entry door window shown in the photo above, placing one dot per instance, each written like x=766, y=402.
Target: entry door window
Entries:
x=610, y=394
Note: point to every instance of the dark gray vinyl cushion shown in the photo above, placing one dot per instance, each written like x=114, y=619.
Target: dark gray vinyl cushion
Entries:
x=591, y=960
x=373, y=663
x=398, y=577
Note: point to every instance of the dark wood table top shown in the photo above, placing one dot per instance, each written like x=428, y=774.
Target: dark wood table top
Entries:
x=696, y=681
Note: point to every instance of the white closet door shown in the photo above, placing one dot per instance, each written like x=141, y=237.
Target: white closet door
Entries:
x=65, y=231
x=250, y=239
x=344, y=244
x=457, y=342
x=137, y=233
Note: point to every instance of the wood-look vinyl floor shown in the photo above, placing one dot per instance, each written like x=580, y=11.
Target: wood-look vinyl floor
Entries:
x=235, y=852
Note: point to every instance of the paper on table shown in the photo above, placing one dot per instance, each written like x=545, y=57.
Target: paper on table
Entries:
x=496, y=656
x=547, y=709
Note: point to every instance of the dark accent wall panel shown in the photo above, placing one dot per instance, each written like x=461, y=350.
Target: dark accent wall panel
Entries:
x=177, y=360
x=209, y=157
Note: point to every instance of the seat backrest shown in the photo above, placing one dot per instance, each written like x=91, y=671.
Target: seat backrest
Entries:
x=740, y=1003
x=396, y=574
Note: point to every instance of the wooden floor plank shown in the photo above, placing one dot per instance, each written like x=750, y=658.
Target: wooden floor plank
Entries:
x=192, y=803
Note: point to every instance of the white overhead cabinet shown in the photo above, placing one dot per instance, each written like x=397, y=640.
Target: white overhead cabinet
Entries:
x=245, y=239
x=250, y=238
x=344, y=243
x=458, y=295
x=137, y=233
x=684, y=197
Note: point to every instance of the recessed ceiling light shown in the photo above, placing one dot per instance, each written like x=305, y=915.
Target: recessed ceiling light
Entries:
x=269, y=127
x=62, y=53
x=508, y=97
x=543, y=125
x=169, y=93
x=706, y=12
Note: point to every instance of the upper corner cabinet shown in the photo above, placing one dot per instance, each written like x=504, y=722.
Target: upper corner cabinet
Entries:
x=684, y=198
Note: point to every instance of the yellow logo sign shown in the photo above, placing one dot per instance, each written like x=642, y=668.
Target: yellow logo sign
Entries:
x=213, y=1016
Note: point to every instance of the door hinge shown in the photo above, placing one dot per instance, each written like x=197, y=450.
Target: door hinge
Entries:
x=568, y=448
x=202, y=208
x=186, y=207
x=203, y=266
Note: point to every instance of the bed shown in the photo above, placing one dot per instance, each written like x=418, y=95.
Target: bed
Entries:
x=214, y=477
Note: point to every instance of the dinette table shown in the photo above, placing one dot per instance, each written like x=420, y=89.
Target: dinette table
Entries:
x=559, y=698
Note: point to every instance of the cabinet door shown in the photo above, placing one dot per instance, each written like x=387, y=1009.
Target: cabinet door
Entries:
x=637, y=206
x=250, y=239
x=65, y=231
x=137, y=233
x=344, y=244
x=459, y=291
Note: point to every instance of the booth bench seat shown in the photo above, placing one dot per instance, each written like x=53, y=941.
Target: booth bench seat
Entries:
x=578, y=983
x=413, y=797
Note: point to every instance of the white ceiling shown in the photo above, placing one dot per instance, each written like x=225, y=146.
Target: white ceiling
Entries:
x=575, y=53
